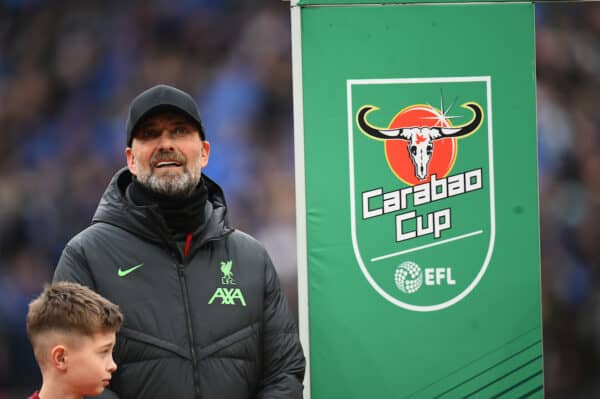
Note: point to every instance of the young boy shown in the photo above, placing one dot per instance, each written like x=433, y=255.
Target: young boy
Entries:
x=72, y=330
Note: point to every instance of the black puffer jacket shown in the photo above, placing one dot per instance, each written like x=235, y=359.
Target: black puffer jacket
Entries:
x=212, y=324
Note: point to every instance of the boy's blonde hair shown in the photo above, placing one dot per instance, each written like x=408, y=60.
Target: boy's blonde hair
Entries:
x=69, y=308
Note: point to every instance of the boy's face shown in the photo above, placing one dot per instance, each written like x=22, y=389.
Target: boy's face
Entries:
x=89, y=364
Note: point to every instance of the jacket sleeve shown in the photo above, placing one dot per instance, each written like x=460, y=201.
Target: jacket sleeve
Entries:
x=283, y=359
x=72, y=266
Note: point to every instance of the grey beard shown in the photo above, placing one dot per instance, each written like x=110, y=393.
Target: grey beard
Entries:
x=180, y=186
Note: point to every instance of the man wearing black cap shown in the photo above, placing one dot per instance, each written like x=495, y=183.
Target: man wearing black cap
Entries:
x=204, y=314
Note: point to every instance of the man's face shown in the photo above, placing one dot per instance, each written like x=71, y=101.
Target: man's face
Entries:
x=89, y=364
x=167, y=154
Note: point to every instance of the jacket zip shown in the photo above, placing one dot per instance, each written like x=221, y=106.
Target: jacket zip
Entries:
x=190, y=331
x=186, y=305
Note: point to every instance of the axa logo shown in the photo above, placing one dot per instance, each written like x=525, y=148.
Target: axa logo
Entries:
x=228, y=295
x=414, y=194
x=416, y=136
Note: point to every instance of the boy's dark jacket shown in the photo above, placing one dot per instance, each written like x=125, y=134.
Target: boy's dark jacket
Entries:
x=174, y=343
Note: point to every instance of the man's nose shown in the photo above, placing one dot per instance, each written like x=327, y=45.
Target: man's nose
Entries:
x=166, y=139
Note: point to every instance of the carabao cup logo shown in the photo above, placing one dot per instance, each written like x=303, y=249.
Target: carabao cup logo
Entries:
x=415, y=135
x=421, y=182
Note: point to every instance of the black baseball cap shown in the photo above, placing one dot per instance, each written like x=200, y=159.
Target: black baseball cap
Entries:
x=158, y=99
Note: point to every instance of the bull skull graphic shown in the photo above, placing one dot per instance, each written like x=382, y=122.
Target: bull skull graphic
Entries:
x=420, y=138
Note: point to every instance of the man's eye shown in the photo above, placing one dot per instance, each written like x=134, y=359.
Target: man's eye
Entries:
x=181, y=130
x=148, y=134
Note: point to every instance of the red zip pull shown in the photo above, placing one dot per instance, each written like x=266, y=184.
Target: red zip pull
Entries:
x=188, y=244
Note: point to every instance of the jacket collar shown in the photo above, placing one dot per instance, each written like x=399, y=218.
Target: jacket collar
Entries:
x=145, y=220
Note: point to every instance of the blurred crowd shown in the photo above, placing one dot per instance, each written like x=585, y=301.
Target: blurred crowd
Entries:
x=68, y=70
x=568, y=86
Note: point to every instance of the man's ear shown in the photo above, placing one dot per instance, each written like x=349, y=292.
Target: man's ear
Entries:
x=131, y=161
x=58, y=357
x=205, y=153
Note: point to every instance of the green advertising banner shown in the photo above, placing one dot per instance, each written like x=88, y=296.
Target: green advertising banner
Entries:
x=419, y=266
x=422, y=2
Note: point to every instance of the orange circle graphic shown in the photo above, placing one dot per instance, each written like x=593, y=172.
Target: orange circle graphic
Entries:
x=397, y=152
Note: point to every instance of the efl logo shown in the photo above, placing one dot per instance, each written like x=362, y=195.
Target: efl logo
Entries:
x=421, y=183
x=409, y=277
